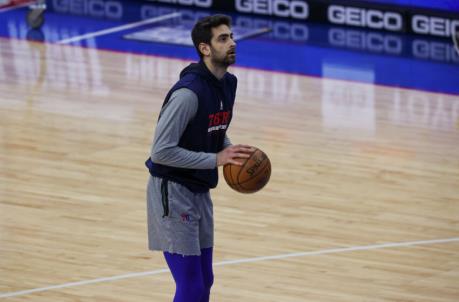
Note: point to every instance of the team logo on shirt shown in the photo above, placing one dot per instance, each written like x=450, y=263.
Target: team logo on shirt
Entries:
x=219, y=121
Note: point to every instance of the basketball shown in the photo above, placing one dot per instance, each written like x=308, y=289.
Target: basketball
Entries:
x=252, y=176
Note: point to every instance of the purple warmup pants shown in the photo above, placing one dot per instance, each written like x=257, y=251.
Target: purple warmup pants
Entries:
x=193, y=275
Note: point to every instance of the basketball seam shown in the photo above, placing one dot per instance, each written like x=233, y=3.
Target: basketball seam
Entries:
x=237, y=185
x=251, y=191
x=232, y=183
x=224, y=174
x=246, y=161
x=231, y=180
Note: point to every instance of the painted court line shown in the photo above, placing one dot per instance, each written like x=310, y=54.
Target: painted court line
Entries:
x=237, y=261
x=120, y=28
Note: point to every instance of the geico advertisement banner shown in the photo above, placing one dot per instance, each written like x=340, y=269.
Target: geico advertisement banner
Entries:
x=344, y=13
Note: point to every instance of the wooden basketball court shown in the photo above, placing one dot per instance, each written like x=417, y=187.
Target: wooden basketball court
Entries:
x=362, y=205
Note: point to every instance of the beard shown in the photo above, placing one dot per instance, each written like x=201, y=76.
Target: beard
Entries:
x=226, y=60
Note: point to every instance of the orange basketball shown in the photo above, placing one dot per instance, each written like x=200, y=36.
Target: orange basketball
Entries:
x=251, y=176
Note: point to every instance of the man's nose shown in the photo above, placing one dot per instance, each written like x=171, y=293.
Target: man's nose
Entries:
x=233, y=42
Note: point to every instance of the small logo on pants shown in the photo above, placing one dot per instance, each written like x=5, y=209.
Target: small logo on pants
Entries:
x=185, y=217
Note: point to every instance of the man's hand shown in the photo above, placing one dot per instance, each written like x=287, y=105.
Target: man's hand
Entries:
x=230, y=154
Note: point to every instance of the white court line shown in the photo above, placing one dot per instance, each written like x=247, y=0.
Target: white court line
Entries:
x=15, y=7
x=84, y=282
x=237, y=261
x=120, y=28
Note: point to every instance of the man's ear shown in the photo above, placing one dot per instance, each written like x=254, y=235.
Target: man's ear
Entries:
x=204, y=49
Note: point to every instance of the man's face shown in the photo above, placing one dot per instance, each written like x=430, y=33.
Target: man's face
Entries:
x=222, y=46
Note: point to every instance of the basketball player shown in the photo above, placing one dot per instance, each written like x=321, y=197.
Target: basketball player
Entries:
x=190, y=143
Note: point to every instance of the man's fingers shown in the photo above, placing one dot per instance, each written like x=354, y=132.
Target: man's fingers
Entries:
x=238, y=155
x=245, y=149
x=242, y=155
x=248, y=150
x=241, y=152
x=244, y=146
x=241, y=145
x=235, y=162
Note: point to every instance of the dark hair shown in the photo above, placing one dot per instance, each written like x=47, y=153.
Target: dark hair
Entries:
x=202, y=30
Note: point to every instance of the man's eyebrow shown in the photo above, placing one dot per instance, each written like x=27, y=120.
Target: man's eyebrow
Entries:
x=224, y=35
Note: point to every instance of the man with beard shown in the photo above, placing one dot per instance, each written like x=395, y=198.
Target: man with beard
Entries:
x=190, y=143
